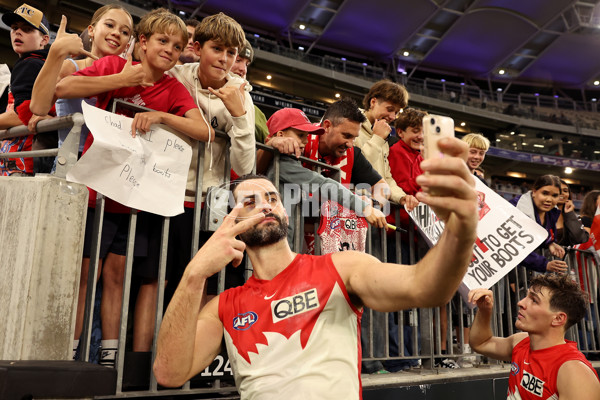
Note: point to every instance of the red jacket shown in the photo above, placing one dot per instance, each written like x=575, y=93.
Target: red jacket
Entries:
x=405, y=165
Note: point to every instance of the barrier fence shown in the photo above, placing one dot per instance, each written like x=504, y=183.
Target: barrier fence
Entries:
x=417, y=335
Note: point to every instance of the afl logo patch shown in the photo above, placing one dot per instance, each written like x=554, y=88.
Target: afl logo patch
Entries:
x=335, y=224
x=244, y=321
x=514, y=369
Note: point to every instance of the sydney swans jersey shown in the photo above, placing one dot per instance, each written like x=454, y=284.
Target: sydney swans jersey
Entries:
x=534, y=372
x=341, y=229
x=295, y=336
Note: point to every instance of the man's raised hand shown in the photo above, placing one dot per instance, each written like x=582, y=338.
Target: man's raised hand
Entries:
x=482, y=298
x=223, y=247
x=455, y=199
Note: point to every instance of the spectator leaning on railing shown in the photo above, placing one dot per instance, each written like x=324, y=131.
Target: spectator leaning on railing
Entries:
x=29, y=35
x=540, y=205
x=109, y=32
x=382, y=104
x=569, y=229
x=294, y=124
x=240, y=67
x=146, y=84
x=225, y=102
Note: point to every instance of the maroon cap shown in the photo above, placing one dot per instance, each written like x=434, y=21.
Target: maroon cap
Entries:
x=292, y=118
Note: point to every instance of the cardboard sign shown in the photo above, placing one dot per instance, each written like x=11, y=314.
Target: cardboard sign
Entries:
x=505, y=236
x=148, y=172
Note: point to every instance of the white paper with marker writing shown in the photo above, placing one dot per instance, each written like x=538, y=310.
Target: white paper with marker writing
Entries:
x=505, y=236
x=148, y=172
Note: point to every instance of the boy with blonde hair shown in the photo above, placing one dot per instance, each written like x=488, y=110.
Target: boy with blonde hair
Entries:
x=478, y=146
x=162, y=37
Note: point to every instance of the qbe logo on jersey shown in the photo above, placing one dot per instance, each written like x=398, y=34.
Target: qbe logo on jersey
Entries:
x=294, y=305
x=532, y=384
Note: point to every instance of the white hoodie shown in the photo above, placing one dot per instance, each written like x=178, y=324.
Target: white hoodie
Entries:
x=239, y=129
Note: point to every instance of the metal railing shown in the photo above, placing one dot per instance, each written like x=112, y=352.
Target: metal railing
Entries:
x=66, y=156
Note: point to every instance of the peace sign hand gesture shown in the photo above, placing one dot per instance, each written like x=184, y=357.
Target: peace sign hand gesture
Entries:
x=223, y=247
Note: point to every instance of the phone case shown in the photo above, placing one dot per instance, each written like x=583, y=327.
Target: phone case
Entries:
x=435, y=127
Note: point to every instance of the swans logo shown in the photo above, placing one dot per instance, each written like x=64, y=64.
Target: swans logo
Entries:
x=514, y=369
x=244, y=321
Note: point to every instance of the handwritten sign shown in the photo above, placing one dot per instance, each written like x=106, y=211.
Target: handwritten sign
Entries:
x=505, y=236
x=148, y=172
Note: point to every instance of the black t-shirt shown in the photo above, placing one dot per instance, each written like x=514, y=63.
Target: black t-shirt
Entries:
x=586, y=221
x=362, y=170
x=24, y=73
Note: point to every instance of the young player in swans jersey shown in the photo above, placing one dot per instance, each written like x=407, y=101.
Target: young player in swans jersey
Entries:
x=293, y=328
x=544, y=364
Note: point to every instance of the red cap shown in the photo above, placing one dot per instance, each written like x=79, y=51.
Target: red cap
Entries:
x=292, y=118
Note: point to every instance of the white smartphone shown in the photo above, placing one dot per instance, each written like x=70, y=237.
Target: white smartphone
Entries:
x=435, y=127
x=129, y=49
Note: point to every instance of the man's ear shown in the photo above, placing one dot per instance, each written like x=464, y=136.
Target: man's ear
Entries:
x=279, y=134
x=560, y=319
x=326, y=125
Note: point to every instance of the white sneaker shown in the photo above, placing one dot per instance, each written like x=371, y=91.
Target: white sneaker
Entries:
x=108, y=357
x=468, y=359
x=447, y=363
x=464, y=362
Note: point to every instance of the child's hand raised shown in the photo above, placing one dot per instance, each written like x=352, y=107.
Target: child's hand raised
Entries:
x=233, y=98
x=133, y=75
x=69, y=44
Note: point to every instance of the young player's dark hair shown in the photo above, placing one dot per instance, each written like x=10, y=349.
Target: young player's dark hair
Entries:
x=565, y=296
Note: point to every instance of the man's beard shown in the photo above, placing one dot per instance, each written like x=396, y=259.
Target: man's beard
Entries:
x=271, y=233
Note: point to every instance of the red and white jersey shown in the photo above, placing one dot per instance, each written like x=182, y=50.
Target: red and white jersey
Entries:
x=295, y=336
x=341, y=229
x=534, y=373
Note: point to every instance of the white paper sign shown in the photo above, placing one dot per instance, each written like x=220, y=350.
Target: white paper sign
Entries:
x=148, y=172
x=505, y=236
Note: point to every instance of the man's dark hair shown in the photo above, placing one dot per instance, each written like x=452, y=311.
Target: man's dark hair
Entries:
x=385, y=90
x=344, y=109
x=191, y=22
x=234, y=184
x=565, y=296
